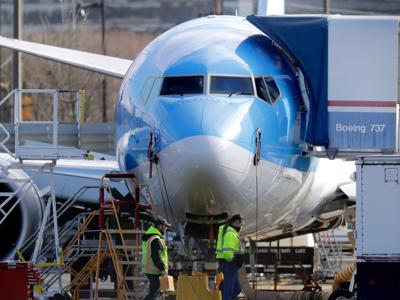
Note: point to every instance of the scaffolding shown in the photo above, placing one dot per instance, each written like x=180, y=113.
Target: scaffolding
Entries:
x=114, y=241
x=51, y=151
x=22, y=158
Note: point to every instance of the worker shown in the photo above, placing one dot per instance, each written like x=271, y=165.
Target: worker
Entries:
x=230, y=256
x=155, y=256
x=88, y=155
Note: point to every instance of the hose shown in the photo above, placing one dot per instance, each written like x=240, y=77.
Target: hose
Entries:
x=252, y=294
x=343, y=276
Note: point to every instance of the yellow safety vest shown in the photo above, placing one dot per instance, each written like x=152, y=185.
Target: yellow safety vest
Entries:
x=228, y=243
x=148, y=265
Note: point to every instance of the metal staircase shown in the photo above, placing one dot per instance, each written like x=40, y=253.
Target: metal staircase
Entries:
x=51, y=272
x=49, y=154
x=66, y=231
x=335, y=251
x=87, y=241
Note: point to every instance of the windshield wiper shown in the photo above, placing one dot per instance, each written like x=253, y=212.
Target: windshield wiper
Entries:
x=237, y=93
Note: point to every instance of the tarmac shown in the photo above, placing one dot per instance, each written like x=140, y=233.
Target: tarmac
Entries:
x=288, y=284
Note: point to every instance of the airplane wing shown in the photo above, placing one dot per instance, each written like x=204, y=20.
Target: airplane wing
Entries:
x=107, y=65
x=335, y=187
x=349, y=190
x=72, y=175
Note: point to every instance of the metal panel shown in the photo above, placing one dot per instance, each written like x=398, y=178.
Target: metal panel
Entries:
x=96, y=137
x=378, y=207
x=362, y=82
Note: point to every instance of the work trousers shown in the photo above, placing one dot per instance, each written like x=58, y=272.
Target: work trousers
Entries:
x=154, y=291
x=230, y=286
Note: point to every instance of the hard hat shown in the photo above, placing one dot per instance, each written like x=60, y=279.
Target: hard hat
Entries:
x=236, y=217
x=161, y=221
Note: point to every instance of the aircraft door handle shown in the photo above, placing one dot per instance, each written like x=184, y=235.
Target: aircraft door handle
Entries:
x=257, y=155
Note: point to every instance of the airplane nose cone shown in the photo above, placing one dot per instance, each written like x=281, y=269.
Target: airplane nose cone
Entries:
x=205, y=156
x=203, y=172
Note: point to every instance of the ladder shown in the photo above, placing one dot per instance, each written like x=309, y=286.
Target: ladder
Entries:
x=111, y=243
x=114, y=241
x=83, y=277
x=118, y=250
x=335, y=251
x=112, y=250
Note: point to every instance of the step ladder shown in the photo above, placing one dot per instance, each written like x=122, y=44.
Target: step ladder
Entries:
x=128, y=287
x=84, y=275
x=113, y=241
x=115, y=250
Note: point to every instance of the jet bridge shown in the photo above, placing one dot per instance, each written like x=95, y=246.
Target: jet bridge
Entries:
x=350, y=67
x=348, y=72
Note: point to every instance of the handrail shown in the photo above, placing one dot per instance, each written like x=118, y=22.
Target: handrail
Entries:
x=21, y=191
x=62, y=234
x=46, y=272
x=8, y=96
x=3, y=142
x=52, y=151
x=60, y=212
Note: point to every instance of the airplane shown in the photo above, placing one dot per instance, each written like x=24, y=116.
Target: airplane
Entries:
x=210, y=116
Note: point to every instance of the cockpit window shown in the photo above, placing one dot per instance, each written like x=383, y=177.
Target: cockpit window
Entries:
x=272, y=88
x=267, y=89
x=231, y=85
x=182, y=85
x=262, y=91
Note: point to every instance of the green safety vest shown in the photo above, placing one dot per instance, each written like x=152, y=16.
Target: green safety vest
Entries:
x=148, y=265
x=228, y=243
